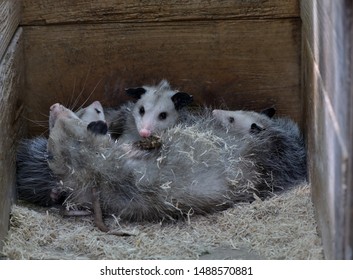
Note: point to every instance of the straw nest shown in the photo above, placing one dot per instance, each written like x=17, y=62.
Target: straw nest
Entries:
x=282, y=227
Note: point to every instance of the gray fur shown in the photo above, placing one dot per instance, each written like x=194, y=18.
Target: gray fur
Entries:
x=190, y=173
x=34, y=179
x=35, y=183
x=117, y=120
x=195, y=171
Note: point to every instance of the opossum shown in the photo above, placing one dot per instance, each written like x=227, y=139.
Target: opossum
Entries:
x=189, y=173
x=194, y=170
x=275, y=145
x=156, y=108
x=35, y=182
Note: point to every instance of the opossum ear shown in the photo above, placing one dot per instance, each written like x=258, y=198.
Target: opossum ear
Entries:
x=135, y=92
x=181, y=99
x=269, y=112
x=98, y=127
x=255, y=128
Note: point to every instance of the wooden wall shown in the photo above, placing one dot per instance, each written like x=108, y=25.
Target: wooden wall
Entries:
x=11, y=84
x=327, y=84
x=245, y=54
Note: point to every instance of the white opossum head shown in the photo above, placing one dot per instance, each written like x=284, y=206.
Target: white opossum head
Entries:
x=157, y=107
x=91, y=117
x=68, y=134
x=244, y=122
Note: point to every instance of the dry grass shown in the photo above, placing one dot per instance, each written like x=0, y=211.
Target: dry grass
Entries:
x=282, y=227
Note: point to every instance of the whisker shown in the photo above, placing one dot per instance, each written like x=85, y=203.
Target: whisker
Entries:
x=44, y=132
x=72, y=96
x=44, y=115
x=89, y=96
x=84, y=85
x=38, y=123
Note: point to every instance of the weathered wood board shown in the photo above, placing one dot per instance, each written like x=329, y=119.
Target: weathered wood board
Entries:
x=327, y=84
x=10, y=15
x=44, y=12
x=245, y=64
x=11, y=123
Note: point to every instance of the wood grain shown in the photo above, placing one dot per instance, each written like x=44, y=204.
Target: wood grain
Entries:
x=41, y=12
x=327, y=84
x=348, y=242
x=11, y=124
x=10, y=12
x=244, y=64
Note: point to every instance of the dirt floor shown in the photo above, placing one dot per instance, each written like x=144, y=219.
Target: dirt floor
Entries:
x=282, y=227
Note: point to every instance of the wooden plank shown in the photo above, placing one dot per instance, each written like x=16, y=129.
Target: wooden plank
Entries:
x=10, y=13
x=329, y=41
x=11, y=86
x=327, y=160
x=245, y=64
x=39, y=12
x=327, y=73
x=348, y=242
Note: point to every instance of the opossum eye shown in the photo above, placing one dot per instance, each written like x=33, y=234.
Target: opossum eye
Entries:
x=231, y=119
x=98, y=112
x=162, y=116
x=142, y=111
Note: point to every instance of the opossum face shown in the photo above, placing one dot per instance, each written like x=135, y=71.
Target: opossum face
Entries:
x=67, y=129
x=244, y=122
x=87, y=115
x=157, y=107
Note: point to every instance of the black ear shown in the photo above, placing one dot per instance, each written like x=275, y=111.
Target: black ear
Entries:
x=135, y=92
x=269, y=112
x=98, y=127
x=255, y=128
x=181, y=99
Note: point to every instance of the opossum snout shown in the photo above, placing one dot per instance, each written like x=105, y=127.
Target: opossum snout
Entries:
x=218, y=115
x=55, y=110
x=215, y=113
x=55, y=107
x=145, y=132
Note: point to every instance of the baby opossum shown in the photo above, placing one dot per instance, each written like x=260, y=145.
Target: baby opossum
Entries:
x=274, y=144
x=188, y=174
x=35, y=182
x=157, y=108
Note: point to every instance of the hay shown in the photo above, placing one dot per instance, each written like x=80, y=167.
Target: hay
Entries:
x=282, y=227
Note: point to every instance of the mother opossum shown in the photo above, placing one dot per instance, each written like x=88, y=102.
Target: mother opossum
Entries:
x=190, y=173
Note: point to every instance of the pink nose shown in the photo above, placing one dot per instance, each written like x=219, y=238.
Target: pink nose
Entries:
x=55, y=106
x=96, y=104
x=145, y=132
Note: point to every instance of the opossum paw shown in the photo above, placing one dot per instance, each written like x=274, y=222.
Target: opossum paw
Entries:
x=98, y=127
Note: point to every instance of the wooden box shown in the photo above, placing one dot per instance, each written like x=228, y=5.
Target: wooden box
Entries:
x=242, y=54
